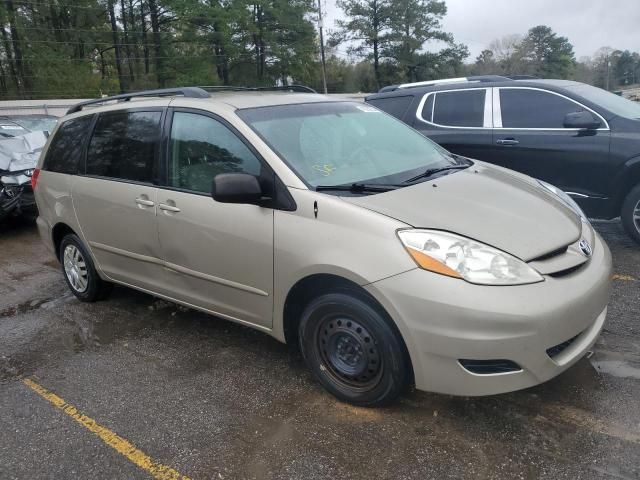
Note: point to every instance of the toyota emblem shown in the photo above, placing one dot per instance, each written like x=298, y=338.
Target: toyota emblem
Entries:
x=586, y=248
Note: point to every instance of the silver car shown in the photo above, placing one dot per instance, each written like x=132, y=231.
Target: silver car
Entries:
x=328, y=224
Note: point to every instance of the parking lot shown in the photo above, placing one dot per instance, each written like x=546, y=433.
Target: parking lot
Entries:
x=135, y=387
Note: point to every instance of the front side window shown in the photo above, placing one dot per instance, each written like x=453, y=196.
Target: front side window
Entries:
x=329, y=143
x=201, y=147
x=616, y=104
x=65, y=152
x=463, y=108
x=524, y=108
x=124, y=146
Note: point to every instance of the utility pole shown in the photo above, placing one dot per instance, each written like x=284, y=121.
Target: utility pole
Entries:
x=608, y=68
x=324, y=66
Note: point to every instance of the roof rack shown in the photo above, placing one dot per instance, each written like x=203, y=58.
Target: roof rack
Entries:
x=284, y=88
x=523, y=77
x=188, y=92
x=444, y=81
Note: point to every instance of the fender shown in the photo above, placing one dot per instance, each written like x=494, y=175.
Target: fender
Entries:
x=627, y=177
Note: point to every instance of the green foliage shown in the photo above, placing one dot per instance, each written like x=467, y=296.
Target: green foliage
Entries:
x=87, y=48
x=544, y=54
x=393, y=34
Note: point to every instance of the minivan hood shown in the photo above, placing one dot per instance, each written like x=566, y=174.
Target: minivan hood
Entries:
x=489, y=204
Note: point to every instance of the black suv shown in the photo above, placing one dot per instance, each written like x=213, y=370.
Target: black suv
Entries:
x=582, y=139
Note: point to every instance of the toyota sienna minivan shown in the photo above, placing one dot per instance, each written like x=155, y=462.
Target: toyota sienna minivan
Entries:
x=331, y=225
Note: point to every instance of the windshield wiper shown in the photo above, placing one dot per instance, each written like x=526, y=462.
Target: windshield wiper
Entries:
x=358, y=188
x=432, y=171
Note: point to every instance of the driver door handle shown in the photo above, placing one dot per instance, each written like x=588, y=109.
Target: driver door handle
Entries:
x=507, y=141
x=145, y=202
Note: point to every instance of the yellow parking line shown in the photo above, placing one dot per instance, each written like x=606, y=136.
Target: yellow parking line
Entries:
x=624, y=278
x=122, y=446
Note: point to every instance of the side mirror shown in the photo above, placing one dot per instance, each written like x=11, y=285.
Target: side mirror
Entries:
x=236, y=188
x=582, y=120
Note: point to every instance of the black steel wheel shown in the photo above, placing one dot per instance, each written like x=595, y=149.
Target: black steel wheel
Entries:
x=349, y=351
x=352, y=349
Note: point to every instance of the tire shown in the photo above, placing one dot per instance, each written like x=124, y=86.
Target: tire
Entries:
x=79, y=271
x=630, y=214
x=352, y=350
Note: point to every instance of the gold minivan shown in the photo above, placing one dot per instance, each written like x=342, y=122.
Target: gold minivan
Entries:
x=329, y=224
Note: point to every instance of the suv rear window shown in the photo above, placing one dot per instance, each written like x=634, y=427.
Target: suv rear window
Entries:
x=525, y=108
x=464, y=108
x=124, y=146
x=65, y=152
x=396, y=106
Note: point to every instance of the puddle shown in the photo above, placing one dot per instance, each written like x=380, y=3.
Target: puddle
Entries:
x=23, y=307
x=617, y=368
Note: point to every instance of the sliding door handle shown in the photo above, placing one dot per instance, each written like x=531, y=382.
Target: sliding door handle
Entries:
x=507, y=141
x=168, y=208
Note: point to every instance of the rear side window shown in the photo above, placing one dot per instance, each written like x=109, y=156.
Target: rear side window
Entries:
x=534, y=109
x=396, y=106
x=124, y=146
x=65, y=152
x=463, y=108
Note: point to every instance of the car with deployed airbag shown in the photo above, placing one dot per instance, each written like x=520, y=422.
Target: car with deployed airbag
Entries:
x=330, y=225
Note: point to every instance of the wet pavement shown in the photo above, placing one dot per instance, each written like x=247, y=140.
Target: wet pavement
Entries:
x=213, y=400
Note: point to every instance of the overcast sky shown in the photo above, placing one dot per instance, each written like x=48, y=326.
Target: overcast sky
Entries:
x=589, y=24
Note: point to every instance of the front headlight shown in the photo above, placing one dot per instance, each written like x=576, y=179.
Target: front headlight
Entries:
x=566, y=199
x=461, y=257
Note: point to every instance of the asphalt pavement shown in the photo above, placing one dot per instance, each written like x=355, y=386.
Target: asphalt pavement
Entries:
x=136, y=387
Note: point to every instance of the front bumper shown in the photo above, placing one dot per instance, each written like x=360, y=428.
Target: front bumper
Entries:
x=443, y=320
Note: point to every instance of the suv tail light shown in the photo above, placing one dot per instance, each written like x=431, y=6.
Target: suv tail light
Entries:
x=34, y=178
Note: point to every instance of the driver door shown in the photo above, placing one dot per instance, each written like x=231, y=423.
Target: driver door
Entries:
x=219, y=255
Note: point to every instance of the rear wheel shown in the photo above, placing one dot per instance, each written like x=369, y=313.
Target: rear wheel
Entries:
x=630, y=214
x=79, y=271
x=352, y=350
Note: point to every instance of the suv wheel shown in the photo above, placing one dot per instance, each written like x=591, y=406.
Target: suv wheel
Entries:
x=79, y=271
x=352, y=350
x=631, y=213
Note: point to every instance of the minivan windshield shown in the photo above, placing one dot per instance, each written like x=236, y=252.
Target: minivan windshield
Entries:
x=616, y=104
x=345, y=143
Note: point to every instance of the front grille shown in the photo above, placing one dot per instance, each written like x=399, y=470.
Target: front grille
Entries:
x=554, y=253
x=561, y=347
x=567, y=271
x=488, y=367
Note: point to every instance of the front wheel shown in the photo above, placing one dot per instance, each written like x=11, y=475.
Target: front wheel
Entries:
x=352, y=350
x=630, y=214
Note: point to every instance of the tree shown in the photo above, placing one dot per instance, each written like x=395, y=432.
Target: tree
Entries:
x=412, y=23
x=545, y=54
x=485, y=63
x=504, y=52
x=625, y=67
x=365, y=29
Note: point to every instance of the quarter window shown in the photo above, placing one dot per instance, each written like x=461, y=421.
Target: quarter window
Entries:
x=524, y=108
x=463, y=108
x=427, y=110
x=65, y=152
x=396, y=106
x=201, y=148
x=124, y=146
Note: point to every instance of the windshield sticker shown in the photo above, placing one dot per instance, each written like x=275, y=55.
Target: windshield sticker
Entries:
x=326, y=170
x=367, y=108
